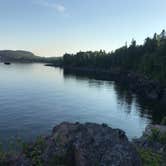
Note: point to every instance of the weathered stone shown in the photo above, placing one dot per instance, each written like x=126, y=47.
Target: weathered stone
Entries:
x=93, y=144
x=81, y=145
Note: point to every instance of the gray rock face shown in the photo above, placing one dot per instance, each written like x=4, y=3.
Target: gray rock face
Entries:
x=91, y=145
x=82, y=145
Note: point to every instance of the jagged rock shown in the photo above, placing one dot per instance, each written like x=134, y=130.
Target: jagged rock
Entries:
x=81, y=145
x=90, y=145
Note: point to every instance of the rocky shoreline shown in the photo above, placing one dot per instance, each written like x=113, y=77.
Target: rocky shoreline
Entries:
x=135, y=82
x=152, y=145
x=154, y=137
x=78, y=144
x=90, y=144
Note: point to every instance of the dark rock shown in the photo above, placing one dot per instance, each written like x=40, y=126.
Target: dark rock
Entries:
x=134, y=81
x=90, y=145
x=81, y=145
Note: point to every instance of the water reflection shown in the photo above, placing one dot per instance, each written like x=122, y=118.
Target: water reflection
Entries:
x=34, y=98
x=147, y=109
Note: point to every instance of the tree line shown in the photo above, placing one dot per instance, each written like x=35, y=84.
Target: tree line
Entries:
x=148, y=58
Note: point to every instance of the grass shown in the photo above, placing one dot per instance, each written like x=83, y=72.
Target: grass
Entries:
x=149, y=158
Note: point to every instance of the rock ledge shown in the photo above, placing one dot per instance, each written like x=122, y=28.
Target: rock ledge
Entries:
x=78, y=144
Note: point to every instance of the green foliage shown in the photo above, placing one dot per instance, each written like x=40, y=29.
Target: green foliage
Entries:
x=162, y=138
x=3, y=158
x=155, y=135
x=10, y=151
x=163, y=121
x=34, y=153
x=148, y=59
x=2, y=155
x=150, y=158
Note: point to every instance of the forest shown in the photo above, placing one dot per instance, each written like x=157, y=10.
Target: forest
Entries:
x=148, y=58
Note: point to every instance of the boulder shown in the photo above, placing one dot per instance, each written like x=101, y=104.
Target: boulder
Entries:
x=75, y=144
x=90, y=145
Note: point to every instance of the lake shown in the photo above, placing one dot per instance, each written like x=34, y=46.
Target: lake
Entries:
x=34, y=98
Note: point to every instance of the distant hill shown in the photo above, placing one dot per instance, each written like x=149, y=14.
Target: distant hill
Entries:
x=24, y=56
x=19, y=56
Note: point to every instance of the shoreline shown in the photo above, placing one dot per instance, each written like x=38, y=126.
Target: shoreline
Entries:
x=91, y=144
x=135, y=82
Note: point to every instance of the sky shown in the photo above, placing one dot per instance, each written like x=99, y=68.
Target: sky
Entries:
x=55, y=27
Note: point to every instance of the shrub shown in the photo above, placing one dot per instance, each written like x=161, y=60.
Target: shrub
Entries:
x=155, y=135
x=34, y=152
x=163, y=138
x=150, y=158
x=163, y=122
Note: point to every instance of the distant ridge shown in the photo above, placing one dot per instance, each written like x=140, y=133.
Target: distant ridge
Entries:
x=18, y=56
x=23, y=56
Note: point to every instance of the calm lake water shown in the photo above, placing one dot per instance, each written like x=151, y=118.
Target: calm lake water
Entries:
x=34, y=98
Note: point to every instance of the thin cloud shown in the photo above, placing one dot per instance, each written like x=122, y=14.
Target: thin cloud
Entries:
x=56, y=6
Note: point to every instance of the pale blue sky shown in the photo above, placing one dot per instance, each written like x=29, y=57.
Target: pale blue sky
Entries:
x=53, y=27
